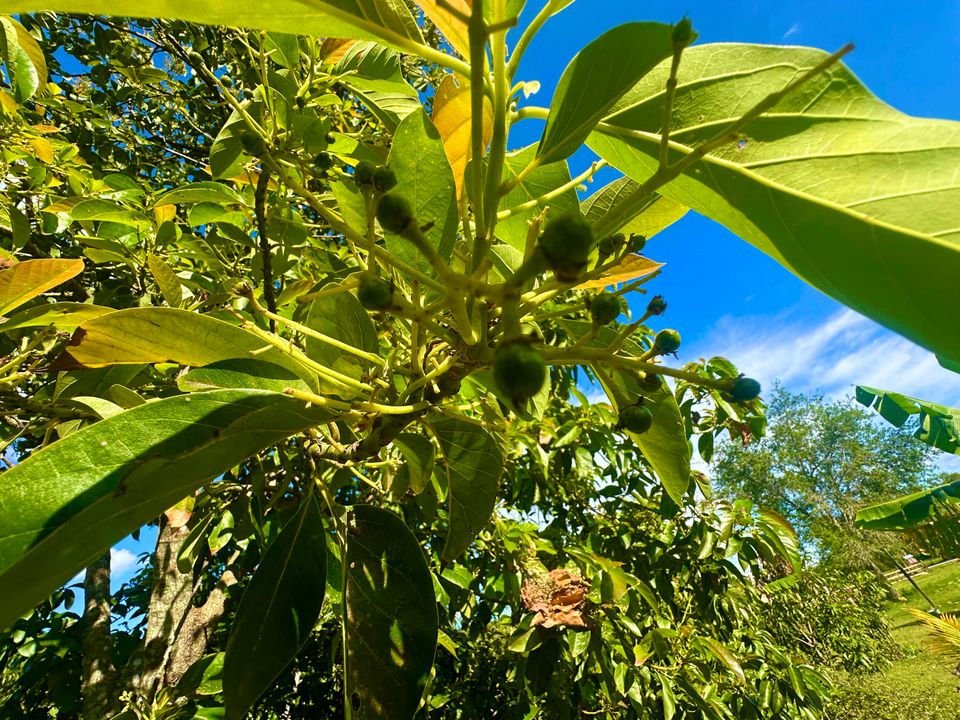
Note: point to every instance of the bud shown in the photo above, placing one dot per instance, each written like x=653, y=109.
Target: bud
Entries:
x=683, y=32
x=657, y=305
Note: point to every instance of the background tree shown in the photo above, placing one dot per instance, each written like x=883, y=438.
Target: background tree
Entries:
x=818, y=464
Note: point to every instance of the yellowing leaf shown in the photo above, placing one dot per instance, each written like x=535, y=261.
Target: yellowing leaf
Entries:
x=333, y=49
x=452, y=27
x=46, y=129
x=30, y=278
x=42, y=149
x=452, y=118
x=162, y=213
x=630, y=268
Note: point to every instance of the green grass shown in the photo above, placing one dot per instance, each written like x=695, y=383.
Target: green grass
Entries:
x=920, y=685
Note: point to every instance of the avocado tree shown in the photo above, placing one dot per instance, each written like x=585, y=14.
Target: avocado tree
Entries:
x=335, y=353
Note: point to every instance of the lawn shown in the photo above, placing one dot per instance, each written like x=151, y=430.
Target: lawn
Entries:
x=919, y=686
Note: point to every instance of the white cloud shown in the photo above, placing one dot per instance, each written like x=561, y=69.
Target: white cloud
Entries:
x=831, y=357
x=122, y=561
x=794, y=29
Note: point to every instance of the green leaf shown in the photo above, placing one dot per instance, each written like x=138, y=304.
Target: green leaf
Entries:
x=284, y=49
x=595, y=79
x=658, y=213
x=908, y=511
x=67, y=503
x=26, y=64
x=194, y=544
x=722, y=653
x=241, y=373
x=200, y=192
x=63, y=316
x=472, y=464
x=278, y=610
x=342, y=317
x=849, y=194
x=424, y=177
x=391, y=623
x=664, y=445
x=937, y=425
x=372, y=72
x=30, y=278
x=96, y=209
x=418, y=455
x=544, y=179
x=166, y=280
x=386, y=20
x=165, y=335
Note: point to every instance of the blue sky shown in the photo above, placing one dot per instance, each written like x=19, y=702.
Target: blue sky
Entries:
x=727, y=297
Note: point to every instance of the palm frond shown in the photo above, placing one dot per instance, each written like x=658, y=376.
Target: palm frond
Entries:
x=944, y=637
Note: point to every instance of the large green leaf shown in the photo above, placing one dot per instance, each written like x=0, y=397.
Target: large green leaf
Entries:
x=390, y=628
x=664, y=445
x=471, y=464
x=240, y=373
x=26, y=64
x=278, y=610
x=856, y=198
x=373, y=73
x=657, y=214
x=64, y=505
x=64, y=316
x=27, y=279
x=341, y=317
x=425, y=178
x=596, y=78
x=418, y=462
x=939, y=425
x=155, y=335
x=387, y=20
x=546, y=178
x=909, y=511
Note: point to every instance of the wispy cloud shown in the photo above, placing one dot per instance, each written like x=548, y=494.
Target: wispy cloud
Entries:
x=831, y=357
x=122, y=561
x=794, y=29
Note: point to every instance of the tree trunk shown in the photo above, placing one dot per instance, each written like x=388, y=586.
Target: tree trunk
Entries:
x=169, y=602
x=98, y=675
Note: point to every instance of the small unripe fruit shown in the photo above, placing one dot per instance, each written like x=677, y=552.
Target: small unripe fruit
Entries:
x=668, y=341
x=323, y=162
x=375, y=293
x=363, y=173
x=605, y=308
x=395, y=213
x=252, y=143
x=611, y=244
x=384, y=179
x=330, y=138
x=657, y=305
x=636, y=419
x=519, y=371
x=637, y=243
x=566, y=244
x=745, y=389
